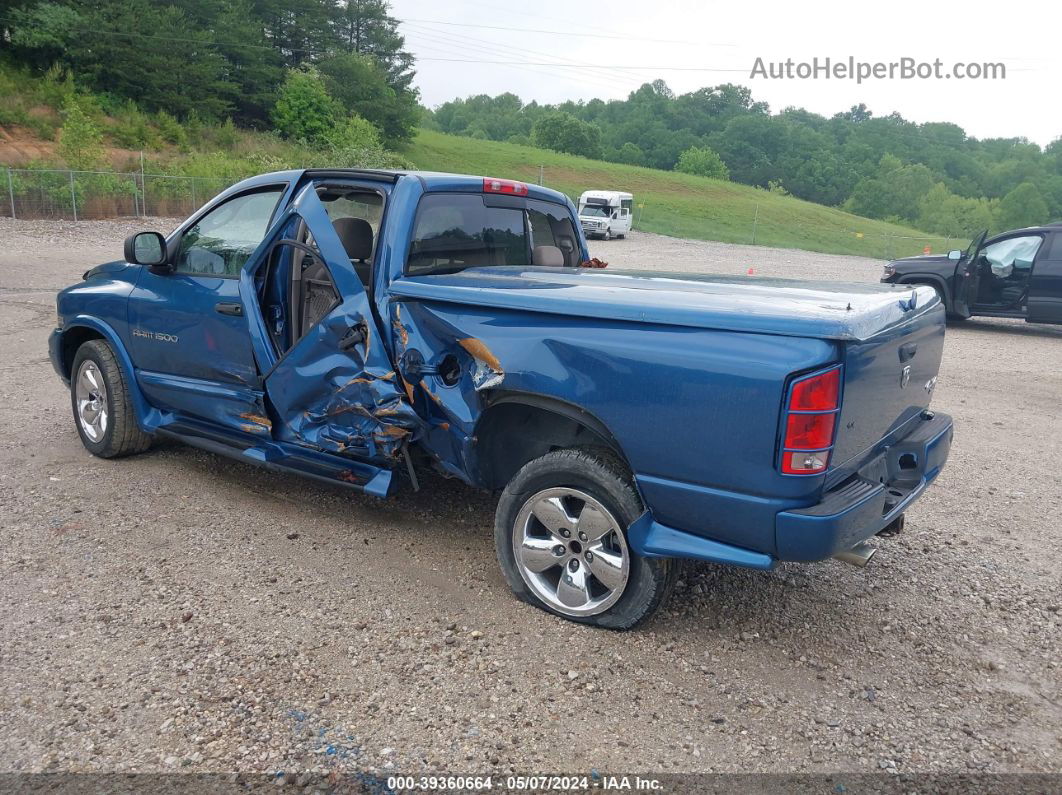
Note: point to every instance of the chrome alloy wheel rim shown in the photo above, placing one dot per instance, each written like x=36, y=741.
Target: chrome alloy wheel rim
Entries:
x=571, y=552
x=90, y=394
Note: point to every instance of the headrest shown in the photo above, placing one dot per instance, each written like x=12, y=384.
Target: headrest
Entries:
x=550, y=256
x=356, y=235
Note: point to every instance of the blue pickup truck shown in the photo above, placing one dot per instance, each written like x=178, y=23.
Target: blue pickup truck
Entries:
x=359, y=327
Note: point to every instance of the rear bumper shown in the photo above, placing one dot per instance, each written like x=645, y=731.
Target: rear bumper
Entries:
x=855, y=510
x=869, y=501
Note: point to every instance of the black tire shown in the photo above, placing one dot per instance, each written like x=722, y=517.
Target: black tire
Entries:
x=601, y=475
x=121, y=436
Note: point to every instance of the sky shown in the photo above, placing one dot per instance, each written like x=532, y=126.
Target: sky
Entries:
x=610, y=47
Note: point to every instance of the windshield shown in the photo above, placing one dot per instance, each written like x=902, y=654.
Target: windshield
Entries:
x=594, y=211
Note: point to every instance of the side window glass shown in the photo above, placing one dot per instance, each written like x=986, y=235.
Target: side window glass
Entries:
x=1013, y=254
x=1056, y=247
x=551, y=226
x=222, y=240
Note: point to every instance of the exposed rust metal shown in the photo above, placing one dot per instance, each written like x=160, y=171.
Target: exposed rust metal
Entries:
x=432, y=395
x=257, y=419
x=488, y=371
x=593, y=262
x=479, y=351
x=348, y=476
x=400, y=330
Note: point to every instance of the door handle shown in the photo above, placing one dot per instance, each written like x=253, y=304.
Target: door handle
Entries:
x=229, y=308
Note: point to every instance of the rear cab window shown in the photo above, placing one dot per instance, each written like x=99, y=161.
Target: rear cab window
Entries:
x=453, y=231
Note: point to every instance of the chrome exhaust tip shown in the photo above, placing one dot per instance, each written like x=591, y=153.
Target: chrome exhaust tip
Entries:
x=859, y=555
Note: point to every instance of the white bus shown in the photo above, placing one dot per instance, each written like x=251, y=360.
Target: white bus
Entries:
x=606, y=213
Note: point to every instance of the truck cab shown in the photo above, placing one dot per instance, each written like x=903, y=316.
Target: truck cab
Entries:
x=361, y=328
x=606, y=213
x=1016, y=274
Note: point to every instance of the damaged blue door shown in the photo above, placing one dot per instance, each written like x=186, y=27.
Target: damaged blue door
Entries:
x=329, y=384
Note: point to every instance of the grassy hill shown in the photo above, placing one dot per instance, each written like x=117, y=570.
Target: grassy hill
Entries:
x=682, y=205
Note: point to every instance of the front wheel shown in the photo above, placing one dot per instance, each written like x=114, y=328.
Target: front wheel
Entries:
x=103, y=410
x=608, y=234
x=560, y=537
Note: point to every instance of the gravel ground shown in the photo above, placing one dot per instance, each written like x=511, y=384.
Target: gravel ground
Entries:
x=179, y=611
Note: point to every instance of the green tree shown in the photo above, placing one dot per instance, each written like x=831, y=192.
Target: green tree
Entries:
x=1023, y=206
x=365, y=27
x=629, y=153
x=562, y=132
x=943, y=212
x=361, y=87
x=122, y=48
x=305, y=111
x=42, y=32
x=702, y=161
x=80, y=139
x=894, y=192
x=353, y=133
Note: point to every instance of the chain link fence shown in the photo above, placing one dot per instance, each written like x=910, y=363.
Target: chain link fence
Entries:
x=62, y=194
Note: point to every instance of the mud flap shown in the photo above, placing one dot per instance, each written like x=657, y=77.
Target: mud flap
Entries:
x=334, y=389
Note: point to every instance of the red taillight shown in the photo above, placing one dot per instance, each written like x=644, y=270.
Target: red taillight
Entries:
x=809, y=431
x=809, y=425
x=491, y=185
x=818, y=393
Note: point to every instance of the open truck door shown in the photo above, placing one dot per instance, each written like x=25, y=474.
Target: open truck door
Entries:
x=967, y=278
x=328, y=379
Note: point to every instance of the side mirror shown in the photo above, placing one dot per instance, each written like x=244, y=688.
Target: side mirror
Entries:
x=146, y=248
x=955, y=255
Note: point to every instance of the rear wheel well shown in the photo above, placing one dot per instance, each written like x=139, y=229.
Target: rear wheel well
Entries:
x=73, y=339
x=510, y=434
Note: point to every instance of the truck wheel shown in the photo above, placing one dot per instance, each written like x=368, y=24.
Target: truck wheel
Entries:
x=103, y=412
x=560, y=537
x=607, y=235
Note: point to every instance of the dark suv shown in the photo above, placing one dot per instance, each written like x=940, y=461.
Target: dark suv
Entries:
x=1016, y=274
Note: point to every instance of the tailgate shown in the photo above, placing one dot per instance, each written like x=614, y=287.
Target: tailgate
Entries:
x=888, y=381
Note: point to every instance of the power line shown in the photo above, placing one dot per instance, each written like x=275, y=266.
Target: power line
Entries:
x=215, y=43
x=580, y=66
x=568, y=33
x=591, y=71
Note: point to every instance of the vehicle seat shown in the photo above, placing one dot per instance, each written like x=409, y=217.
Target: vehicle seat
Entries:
x=549, y=256
x=356, y=236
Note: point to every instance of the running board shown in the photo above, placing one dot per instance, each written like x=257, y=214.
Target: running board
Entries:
x=285, y=458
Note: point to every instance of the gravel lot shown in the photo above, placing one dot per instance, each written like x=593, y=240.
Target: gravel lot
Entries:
x=179, y=611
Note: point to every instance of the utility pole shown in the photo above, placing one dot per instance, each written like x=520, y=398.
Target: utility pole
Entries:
x=755, y=221
x=73, y=195
x=143, y=185
x=11, y=192
x=541, y=175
